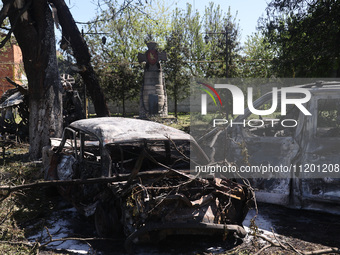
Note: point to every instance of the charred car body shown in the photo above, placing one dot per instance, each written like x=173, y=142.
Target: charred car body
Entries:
x=307, y=147
x=151, y=190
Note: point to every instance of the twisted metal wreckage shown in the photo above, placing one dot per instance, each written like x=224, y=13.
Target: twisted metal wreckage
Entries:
x=11, y=99
x=290, y=159
x=17, y=100
x=154, y=195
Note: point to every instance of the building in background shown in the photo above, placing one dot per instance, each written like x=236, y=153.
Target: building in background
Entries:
x=11, y=65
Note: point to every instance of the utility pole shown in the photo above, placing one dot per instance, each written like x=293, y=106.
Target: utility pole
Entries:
x=227, y=69
x=226, y=52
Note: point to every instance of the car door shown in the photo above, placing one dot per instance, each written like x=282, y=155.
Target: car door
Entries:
x=319, y=183
x=264, y=149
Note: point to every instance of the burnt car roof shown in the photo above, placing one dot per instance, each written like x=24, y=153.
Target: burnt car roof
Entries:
x=315, y=88
x=118, y=129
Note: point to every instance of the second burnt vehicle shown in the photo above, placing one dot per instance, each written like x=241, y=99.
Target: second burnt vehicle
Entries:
x=151, y=193
x=308, y=149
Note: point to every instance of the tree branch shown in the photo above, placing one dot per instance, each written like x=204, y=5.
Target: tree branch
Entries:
x=322, y=251
x=115, y=179
x=263, y=248
x=279, y=244
x=10, y=188
x=78, y=239
x=4, y=10
x=18, y=86
x=8, y=36
x=82, y=55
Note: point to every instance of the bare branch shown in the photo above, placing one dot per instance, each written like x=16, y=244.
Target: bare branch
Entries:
x=125, y=5
x=4, y=10
x=38, y=245
x=294, y=249
x=77, y=239
x=322, y=251
x=8, y=36
x=6, y=216
x=10, y=188
x=268, y=240
x=284, y=247
x=18, y=86
x=115, y=179
x=279, y=244
x=83, y=57
x=262, y=249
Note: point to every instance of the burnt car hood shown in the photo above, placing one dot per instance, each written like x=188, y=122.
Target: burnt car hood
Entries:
x=117, y=129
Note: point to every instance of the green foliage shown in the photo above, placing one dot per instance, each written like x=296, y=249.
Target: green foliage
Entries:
x=179, y=32
x=189, y=55
x=306, y=35
x=223, y=32
x=121, y=81
x=176, y=69
x=257, y=59
x=126, y=31
x=7, y=45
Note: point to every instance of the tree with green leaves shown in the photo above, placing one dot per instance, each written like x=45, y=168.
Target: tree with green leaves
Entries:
x=32, y=23
x=193, y=36
x=306, y=36
x=181, y=36
x=257, y=58
x=121, y=82
x=126, y=33
x=176, y=68
x=222, y=30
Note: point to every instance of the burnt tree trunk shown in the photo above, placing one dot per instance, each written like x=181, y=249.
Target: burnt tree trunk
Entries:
x=82, y=55
x=33, y=28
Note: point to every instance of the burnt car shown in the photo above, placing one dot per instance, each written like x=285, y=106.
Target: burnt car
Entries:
x=141, y=185
x=306, y=147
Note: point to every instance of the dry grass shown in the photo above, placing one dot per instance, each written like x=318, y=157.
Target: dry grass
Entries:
x=18, y=209
x=22, y=213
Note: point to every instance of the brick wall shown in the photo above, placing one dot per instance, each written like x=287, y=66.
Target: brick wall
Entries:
x=10, y=66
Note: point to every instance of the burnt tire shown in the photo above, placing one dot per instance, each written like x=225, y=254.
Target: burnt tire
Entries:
x=107, y=221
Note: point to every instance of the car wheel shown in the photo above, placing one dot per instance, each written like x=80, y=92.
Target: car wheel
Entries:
x=107, y=221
